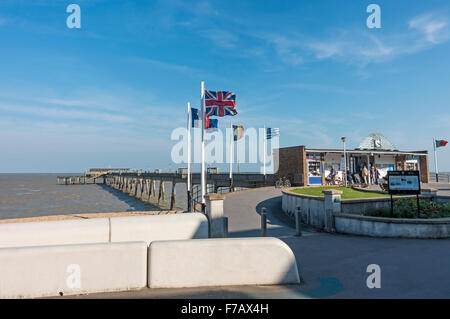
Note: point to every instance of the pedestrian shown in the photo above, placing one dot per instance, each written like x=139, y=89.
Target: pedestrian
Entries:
x=365, y=174
x=332, y=174
x=372, y=175
x=377, y=175
x=349, y=176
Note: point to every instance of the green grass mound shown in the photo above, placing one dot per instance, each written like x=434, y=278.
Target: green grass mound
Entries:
x=348, y=192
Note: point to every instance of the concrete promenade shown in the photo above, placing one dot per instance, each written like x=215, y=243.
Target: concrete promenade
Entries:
x=331, y=265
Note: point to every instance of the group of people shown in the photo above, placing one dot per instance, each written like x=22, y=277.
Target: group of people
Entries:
x=368, y=176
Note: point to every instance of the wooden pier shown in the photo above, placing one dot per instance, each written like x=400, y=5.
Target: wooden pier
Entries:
x=145, y=185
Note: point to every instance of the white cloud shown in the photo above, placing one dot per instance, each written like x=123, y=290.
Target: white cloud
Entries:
x=221, y=38
x=434, y=28
x=287, y=49
x=64, y=113
x=358, y=47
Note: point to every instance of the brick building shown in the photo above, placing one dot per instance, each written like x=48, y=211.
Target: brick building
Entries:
x=310, y=166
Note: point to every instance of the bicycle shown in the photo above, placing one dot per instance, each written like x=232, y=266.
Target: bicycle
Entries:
x=283, y=182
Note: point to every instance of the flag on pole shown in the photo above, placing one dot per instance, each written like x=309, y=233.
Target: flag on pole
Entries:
x=211, y=125
x=220, y=103
x=272, y=132
x=195, y=115
x=441, y=143
x=238, y=132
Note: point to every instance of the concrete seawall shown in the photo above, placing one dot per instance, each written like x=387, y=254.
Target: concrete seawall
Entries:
x=28, y=272
x=104, y=230
x=221, y=262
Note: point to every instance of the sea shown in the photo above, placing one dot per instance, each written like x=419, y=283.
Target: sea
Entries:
x=32, y=195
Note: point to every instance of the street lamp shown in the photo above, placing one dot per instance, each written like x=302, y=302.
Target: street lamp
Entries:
x=344, y=139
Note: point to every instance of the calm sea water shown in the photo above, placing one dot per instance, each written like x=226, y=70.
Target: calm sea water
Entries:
x=30, y=195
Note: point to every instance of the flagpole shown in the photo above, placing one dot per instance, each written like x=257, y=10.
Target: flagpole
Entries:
x=231, y=150
x=203, y=174
x=265, y=148
x=189, y=124
x=435, y=161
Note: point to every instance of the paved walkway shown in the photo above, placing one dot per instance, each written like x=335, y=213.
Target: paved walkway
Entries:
x=331, y=265
x=243, y=210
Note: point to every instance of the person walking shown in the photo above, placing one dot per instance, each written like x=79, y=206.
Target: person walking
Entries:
x=365, y=174
x=372, y=175
x=333, y=175
x=377, y=175
x=349, y=177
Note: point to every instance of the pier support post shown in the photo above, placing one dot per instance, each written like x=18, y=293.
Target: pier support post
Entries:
x=131, y=186
x=148, y=189
x=173, y=196
x=141, y=188
x=161, y=191
x=128, y=185
x=153, y=187
x=135, y=187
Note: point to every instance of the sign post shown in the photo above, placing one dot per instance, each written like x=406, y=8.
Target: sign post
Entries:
x=404, y=183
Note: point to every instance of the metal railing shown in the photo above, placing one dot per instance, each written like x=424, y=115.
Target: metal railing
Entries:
x=197, y=194
x=443, y=178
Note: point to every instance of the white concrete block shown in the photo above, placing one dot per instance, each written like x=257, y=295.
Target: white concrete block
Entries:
x=29, y=272
x=159, y=227
x=221, y=262
x=61, y=232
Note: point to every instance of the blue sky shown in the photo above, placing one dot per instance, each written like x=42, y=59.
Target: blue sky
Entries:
x=110, y=93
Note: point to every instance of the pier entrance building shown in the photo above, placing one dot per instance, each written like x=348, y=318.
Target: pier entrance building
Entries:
x=311, y=166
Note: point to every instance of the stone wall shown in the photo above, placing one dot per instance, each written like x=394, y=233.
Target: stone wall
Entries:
x=392, y=227
x=348, y=216
x=291, y=162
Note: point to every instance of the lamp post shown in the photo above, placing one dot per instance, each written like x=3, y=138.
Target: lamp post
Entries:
x=345, y=161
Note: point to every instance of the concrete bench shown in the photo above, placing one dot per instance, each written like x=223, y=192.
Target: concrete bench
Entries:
x=159, y=227
x=221, y=262
x=29, y=272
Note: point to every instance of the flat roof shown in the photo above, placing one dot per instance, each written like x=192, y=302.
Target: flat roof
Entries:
x=329, y=150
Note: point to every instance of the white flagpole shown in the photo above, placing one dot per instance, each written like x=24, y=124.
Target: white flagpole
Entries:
x=202, y=87
x=231, y=150
x=265, y=148
x=435, y=161
x=189, y=124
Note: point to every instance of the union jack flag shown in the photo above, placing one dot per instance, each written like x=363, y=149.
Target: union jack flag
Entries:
x=220, y=103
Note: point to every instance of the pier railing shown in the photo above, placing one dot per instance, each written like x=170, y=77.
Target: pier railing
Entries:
x=148, y=186
x=443, y=178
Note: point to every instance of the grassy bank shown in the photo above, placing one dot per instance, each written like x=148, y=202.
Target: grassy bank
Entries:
x=348, y=192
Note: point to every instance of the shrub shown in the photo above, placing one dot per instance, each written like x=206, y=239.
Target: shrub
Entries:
x=407, y=208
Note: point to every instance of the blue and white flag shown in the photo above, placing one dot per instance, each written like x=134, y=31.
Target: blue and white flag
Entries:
x=211, y=125
x=272, y=132
x=196, y=120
